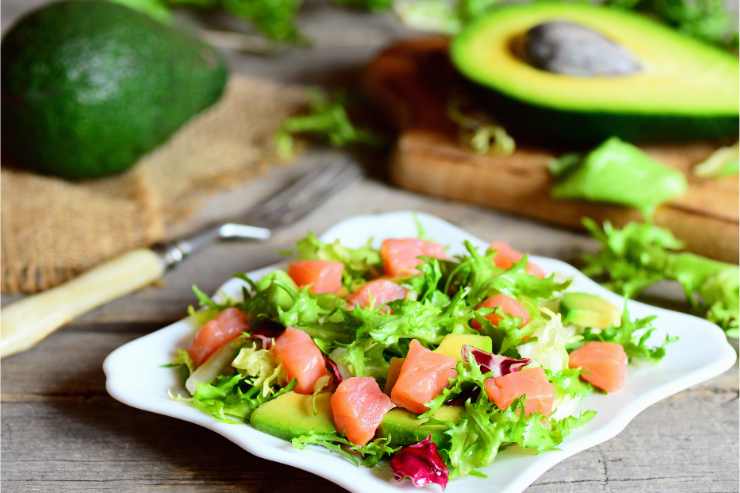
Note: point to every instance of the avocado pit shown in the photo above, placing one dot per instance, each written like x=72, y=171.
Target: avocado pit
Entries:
x=565, y=47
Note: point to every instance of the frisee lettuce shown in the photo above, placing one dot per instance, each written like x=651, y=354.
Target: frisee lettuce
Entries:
x=641, y=254
x=368, y=455
x=484, y=429
x=231, y=399
x=360, y=264
x=633, y=335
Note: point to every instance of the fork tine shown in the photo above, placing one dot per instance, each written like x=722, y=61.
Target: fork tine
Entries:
x=304, y=194
x=314, y=194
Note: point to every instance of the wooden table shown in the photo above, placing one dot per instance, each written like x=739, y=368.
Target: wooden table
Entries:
x=62, y=432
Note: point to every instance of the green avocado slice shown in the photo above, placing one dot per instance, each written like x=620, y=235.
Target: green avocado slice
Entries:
x=685, y=89
x=292, y=415
x=403, y=428
x=588, y=310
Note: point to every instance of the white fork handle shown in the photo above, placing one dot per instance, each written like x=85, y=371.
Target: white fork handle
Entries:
x=26, y=322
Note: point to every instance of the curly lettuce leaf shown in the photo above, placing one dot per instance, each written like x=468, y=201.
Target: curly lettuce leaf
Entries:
x=633, y=335
x=484, y=429
x=479, y=274
x=231, y=399
x=368, y=455
x=640, y=254
x=548, y=342
x=360, y=264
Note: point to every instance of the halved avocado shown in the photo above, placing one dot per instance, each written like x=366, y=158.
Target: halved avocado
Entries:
x=683, y=89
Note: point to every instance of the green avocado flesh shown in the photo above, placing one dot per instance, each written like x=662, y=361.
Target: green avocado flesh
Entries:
x=452, y=344
x=90, y=86
x=292, y=415
x=684, y=90
x=587, y=310
x=404, y=429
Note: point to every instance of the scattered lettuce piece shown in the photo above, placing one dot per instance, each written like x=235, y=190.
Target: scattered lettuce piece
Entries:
x=641, y=254
x=367, y=455
x=725, y=161
x=327, y=118
x=606, y=173
x=478, y=131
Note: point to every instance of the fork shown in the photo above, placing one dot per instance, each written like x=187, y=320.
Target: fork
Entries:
x=28, y=321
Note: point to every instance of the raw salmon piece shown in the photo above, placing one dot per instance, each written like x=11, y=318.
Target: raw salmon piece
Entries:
x=423, y=375
x=401, y=255
x=216, y=332
x=531, y=382
x=377, y=292
x=394, y=369
x=602, y=364
x=301, y=359
x=507, y=256
x=324, y=276
x=357, y=407
x=508, y=305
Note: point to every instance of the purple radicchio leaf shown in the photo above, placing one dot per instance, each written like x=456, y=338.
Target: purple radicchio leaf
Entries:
x=499, y=365
x=421, y=463
x=333, y=370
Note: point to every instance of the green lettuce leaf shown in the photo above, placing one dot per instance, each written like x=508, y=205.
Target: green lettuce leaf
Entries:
x=633, y=335
x=484, y=429
x=360, y=264
x=368, y=455
x=231, y=399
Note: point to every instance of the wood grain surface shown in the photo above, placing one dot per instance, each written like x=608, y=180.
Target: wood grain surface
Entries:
x=61, y=432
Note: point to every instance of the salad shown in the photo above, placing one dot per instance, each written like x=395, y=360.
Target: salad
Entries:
x=409, y=355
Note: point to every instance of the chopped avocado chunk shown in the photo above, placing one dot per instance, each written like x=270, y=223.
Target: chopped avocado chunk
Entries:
x=588, y=310
x=609, y=174
x=292, y=415
x=403, y=427
x=692, y=96
x=452, y=344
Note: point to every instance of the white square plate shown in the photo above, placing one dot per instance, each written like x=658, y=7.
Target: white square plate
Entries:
x=135, y=376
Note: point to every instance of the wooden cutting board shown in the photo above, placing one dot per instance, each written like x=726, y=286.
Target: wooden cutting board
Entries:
x=411, y=82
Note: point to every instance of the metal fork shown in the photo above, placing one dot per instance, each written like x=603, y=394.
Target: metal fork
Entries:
x=26, y=322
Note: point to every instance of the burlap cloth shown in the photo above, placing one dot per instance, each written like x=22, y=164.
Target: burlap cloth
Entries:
x=53, y=229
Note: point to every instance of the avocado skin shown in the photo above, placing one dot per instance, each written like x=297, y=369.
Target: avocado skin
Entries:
x=541, y=124
x=90, y=86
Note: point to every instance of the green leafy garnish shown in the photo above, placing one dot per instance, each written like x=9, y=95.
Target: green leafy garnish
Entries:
x=360, y=264
x=484, y=429
x=328, y=119
x=640, y=254
x=367, y=455
x=633, y=335
x=725, y=161
x=231, y=399
x=478, y=131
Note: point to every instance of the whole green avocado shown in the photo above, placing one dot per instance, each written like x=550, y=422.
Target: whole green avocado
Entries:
x=90, y=86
